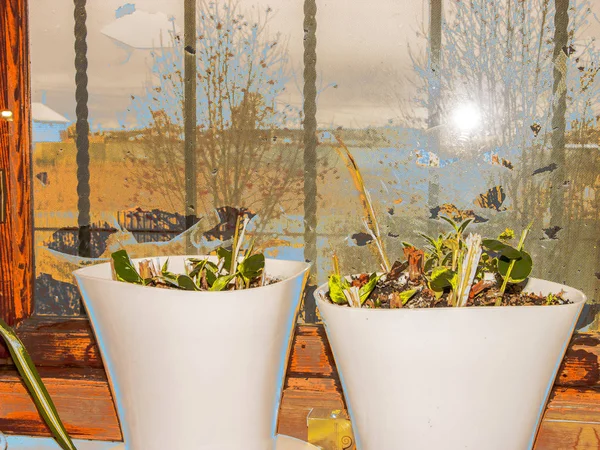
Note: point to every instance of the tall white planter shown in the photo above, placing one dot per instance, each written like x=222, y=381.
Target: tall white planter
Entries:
x=195, y=370
x=474, y=378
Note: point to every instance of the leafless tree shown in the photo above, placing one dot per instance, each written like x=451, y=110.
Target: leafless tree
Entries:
x=246, y=156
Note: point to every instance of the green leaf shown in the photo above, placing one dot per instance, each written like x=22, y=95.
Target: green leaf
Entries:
x=502, y=248
x=252, y=267
x=368, y=287
x=510, y=253
x=429, y=263
x=407, y=244
x=225, y=254
x=337, y=285
x=441, y=278
x=211, y=266
x=169, y=276
x=521, y=269
x=493, y=244
x=211, y=276
x=250, y=249
x=451, y=222
x=507, y=235
x=447, y=259
x=197, y=267
x=185, y=282
x=452, y=244
x=463, y=226
x=454, y=281
x=124, y=268
x=405, y=296
x=434, y=243
x=35, y=386
x=221, y=282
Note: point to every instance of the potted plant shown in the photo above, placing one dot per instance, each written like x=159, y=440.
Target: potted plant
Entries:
x=453, y=346
x=195, y=347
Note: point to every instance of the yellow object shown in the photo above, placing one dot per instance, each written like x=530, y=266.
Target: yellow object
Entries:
x=330, y=430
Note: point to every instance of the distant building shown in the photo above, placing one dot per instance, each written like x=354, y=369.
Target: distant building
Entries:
x=47, y=123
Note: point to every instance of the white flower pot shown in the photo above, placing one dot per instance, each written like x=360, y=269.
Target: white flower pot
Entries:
x=195, y=370
x=474, y=378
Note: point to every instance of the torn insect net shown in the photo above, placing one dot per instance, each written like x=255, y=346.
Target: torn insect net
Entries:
x=549, y=168
x=551, y=232
x=430, y=159
x=494, y=159
x=492, y=199
x=458, y=215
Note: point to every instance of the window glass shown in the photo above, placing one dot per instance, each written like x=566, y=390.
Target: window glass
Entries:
x=466, y=109
x=249, y=149
x=490, y=115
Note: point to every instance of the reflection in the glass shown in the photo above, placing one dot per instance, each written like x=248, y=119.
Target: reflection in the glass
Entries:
x=481, y=109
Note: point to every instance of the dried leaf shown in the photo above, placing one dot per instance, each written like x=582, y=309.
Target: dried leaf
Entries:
x=416, y=261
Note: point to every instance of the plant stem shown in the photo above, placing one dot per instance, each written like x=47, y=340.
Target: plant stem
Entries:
x=336, y=264
x=454, y=259
x=370, y=219
x=234, y=245
x=468, y=269
x=512, y=264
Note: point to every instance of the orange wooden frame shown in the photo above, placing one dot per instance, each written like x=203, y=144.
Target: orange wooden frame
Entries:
x=16, y=243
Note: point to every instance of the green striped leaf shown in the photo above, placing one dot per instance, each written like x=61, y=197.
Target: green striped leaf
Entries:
x=35, y=386
x=124, y=268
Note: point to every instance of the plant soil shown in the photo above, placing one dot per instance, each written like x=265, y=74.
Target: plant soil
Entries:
x=159, y=283
x=483, y=293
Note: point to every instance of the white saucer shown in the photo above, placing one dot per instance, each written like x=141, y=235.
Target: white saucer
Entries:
x=283, y=443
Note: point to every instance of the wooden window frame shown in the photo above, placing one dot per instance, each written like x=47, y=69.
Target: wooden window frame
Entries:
x=66, y=352
x=16, y=245
x=64, y=349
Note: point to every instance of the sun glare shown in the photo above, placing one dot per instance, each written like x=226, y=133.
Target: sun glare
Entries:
x=466, y=117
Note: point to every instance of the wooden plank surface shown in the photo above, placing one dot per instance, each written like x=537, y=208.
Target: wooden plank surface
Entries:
x=59, y=343
x=581, y=366
x=82, y=398
x=16, y=243
x=571, y=421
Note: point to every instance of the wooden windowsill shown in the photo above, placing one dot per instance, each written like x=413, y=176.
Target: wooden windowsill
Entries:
x=82, y=396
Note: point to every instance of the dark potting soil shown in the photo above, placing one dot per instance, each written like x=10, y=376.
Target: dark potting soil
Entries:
x=483, y=293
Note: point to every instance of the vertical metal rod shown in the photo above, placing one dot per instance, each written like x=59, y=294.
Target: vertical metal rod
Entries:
x=82, y=129
x=559, y=107
x=435, y=49
x=433, y=104
x=190, y=115
x=310, y=152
